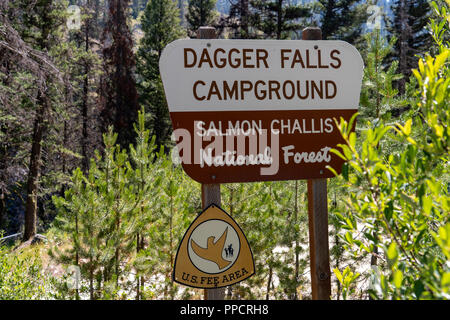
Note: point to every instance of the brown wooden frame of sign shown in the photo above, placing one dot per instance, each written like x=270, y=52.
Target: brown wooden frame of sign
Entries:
x=317, y=211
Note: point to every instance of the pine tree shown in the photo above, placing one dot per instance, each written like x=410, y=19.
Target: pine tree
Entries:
x=98, y=214
x=38, y=67
x=178, y=200
x=270, y=214
x=90, y=63
x=238, y=20
x=277, y=19
x=378, y=94
x=342, y=19
x=118, y=92
x=137, y=6
x=43, y=108
x=200, y=13
x=161, y=25
x=408, y=25
x=147, y=179
x=38, y=24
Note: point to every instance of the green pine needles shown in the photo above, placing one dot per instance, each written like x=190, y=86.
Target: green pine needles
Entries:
x=125, y=204
x=399, y=201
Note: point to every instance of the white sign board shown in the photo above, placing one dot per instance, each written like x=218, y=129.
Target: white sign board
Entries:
x=229, y=75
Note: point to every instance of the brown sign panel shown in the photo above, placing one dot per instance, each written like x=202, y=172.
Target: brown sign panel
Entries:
x=302, y=150
x=214, y=252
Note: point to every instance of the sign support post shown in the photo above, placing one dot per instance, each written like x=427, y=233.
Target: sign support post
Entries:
x=210, y=192
x=318, y=221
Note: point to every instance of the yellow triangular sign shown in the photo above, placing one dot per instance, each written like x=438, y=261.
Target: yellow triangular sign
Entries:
x=214, y=252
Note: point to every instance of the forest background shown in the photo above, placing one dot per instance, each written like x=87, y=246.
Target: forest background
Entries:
x=87, y=182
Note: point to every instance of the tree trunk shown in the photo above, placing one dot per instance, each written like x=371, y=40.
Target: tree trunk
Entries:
x=77, y=255
x=244, y=19
x=35, y=168
x=269, y=282
x=327, y=28
x=68, y=99
x=338, y=256
x=279, y=19
x=374, y=261
x=297, y=263
x=171, y=232
x=3, y=169
x=403, y=54
x=138, y=285
x=142, y=281
x=2, y=208
x=84, y=107
x=117, y=254
x=91, y=284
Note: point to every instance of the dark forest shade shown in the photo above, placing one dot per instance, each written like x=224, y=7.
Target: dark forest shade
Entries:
x=238, y=20
x=45, y=26
x=408, y=25
x=342, y=20
x=277, y=19
x=200, y=13
x=119, y=95
x=161, y=26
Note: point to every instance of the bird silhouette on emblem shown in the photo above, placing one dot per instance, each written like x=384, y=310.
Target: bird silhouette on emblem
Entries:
x=213, y=251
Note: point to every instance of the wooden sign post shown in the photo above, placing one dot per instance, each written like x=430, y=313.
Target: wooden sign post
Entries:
x=319, y=253
x=210, y=192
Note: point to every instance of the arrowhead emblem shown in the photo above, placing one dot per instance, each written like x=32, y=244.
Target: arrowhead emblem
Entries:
x=214, y=252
